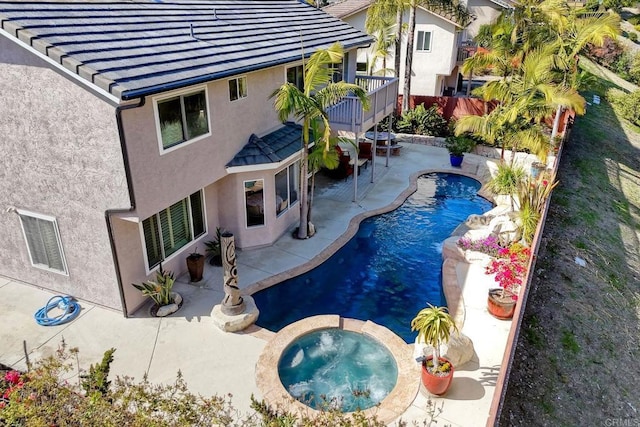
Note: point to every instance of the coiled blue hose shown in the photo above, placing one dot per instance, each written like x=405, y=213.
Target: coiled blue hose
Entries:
x=69, y=306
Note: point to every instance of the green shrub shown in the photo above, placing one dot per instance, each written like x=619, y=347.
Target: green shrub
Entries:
x=423, y=121
x=43, y=397
x=626, y=105
x=633, y=37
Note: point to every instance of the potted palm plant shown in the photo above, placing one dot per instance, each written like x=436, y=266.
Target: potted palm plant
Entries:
x=457, y=146
x=434, y=326
x=160, y=291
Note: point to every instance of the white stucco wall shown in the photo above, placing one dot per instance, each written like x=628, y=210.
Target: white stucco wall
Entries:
x=485, y=11
x=60, y=157
x=429, y=68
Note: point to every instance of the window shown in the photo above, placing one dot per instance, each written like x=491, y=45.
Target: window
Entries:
x=286, y=188
x=43, y=241
x=361, y=67
x=336, y=72
x=237, y=88
x=295, y=75
x=424, y=41
x=173, y=228
x=182, y=118
x=254, y=202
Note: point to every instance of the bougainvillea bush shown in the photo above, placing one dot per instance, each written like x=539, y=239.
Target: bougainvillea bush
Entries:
x=487, y=245
x=510, y=268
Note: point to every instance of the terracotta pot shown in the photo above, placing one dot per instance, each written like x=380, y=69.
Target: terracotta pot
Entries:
x=499, y=306
x=436, y=384
x=195, y=264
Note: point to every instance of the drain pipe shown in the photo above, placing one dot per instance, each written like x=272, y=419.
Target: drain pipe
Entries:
x=109, y=212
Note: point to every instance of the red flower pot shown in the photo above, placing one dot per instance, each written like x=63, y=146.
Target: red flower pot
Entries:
x=437, y=384
x=499, y=305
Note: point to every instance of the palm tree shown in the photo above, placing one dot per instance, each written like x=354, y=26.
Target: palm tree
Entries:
x=385, y=38
x=572, y=37
x=406, y=91
x=308, y=106
x=379, y=15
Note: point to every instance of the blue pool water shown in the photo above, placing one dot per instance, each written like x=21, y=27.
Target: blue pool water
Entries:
x=389, y=270
x=341, y=369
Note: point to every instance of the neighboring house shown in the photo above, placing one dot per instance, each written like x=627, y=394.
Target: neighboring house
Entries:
x=439, y=45
x=131, y=130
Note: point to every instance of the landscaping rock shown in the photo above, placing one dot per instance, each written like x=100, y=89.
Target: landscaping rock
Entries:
x=475, y=222
x=166, y=310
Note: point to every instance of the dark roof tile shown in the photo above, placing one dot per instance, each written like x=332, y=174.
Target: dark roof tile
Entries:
x=139, y=48
x=272, y=148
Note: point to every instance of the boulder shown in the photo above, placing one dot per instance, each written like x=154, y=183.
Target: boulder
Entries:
x=506, y=228
x=459, y=350
x=475, y=222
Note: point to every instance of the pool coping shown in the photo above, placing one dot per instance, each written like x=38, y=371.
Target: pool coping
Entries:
x=389, y=409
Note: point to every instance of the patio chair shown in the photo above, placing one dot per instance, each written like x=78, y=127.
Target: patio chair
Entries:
x=365, y=150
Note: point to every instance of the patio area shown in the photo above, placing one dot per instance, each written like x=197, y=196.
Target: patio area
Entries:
x=215, y=362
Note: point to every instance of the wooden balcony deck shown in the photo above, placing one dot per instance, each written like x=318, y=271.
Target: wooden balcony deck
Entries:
x=348, y=114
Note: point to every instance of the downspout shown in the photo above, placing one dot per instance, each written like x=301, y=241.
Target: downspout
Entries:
x=109, y=212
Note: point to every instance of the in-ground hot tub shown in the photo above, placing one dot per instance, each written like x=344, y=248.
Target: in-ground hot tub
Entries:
x=283, y=352
x=334, y=368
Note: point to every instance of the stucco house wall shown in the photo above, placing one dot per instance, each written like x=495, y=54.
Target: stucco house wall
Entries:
x=429, y=68
x=485, y=11
x=61, y=158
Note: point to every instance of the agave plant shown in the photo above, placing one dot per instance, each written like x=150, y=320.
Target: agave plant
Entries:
x=160, y=290
x=434, y=326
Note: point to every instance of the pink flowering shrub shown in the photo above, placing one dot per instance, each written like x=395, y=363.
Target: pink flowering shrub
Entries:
x=510, y=268
x=488, y=245
x=12, y=381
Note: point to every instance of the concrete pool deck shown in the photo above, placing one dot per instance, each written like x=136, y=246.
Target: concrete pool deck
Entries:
x=215, y=362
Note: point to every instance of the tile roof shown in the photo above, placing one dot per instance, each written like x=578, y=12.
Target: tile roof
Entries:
x=133, y=48
x=272, y=148
x=344, y=8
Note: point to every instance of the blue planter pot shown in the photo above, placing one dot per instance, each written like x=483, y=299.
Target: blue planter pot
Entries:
x=456, y=161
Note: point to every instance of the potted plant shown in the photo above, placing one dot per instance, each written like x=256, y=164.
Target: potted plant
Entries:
x=506, y=181
x=214, y=249
x=434, y=326
x=457, y=146
x=160, y=291
x=195, y=265
x=510, y=269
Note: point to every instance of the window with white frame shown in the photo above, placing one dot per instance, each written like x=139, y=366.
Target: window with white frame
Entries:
x=295, y=75
x=43, y=241
x=287, y=187
x=237, y=88
x=182, y=117
x=423, y=43
x=173, y=228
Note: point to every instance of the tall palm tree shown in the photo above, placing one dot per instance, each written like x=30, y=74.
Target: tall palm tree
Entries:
x=385, y=38
x=406, y=91
x=572, y=37
x=309, y=105
x=378, y=16
x=526, y=98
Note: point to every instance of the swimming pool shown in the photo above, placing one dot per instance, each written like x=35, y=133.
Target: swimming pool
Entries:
x=389, y=270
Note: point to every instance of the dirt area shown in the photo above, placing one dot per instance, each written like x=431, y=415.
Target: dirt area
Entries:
x=578, y=352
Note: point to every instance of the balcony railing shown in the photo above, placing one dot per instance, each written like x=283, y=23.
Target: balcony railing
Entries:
x=465, y=50
x=348, y=114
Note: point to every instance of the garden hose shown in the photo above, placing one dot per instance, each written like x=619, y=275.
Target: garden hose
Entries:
x=67, y=304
